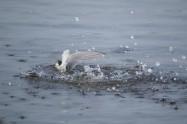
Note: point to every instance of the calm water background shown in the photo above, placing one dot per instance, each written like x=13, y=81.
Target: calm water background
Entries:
x=156, y=31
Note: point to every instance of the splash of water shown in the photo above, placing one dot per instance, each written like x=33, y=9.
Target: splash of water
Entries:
x=100, y=74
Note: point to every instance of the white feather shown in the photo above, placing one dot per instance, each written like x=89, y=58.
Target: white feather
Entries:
x=70, y=59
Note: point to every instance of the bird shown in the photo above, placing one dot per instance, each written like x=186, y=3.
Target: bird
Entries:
x=68, y=59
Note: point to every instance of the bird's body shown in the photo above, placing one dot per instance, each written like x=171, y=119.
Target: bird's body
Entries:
x=69, y=59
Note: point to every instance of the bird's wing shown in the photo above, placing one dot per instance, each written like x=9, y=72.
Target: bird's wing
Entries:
x=83, y=56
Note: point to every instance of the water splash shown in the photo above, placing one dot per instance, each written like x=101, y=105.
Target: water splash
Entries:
x=149, y=70
x=77, y=19
x=100, y=74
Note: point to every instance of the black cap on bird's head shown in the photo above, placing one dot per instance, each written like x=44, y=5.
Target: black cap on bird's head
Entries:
x=59, y=62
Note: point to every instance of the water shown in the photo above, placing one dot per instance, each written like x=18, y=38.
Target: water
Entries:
x=141, y=79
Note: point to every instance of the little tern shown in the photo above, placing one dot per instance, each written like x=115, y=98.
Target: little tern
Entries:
x=68, y=59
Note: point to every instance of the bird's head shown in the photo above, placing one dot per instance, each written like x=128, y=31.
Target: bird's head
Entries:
x=58, y=63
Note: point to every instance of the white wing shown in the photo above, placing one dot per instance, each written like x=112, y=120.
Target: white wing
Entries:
x=83, y=56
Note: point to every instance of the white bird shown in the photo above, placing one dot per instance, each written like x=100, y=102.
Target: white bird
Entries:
x=69, y=59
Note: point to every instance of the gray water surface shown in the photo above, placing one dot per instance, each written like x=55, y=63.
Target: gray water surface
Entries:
x=144, y=72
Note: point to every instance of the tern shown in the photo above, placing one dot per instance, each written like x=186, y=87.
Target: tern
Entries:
x=68, y=59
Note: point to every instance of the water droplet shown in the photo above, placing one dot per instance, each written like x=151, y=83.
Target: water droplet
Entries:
x=132, y=37
x=183, y=57
x=9, y=83
x=157, y=64
x=149, y=70
x=171, y=49
x=177, y=74
x=89, y=50
x=82, y=35
x=138, y=73
x=126, y=46
x=174, y=79
x=72, y=44
x=29, y=52
x=113, y=88
x=135, y=44
x=121, y=46
x=108, y=89
x=143, y=66
x=161, y=78
x=174, y=60
x=132, y=12
x=84, y=43
x=139, y=61
x=40, y=74
x=77, y=19
x=93, y=48
x=180, y=66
